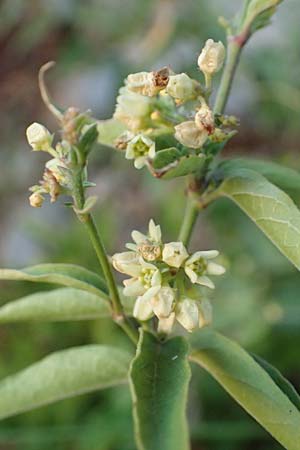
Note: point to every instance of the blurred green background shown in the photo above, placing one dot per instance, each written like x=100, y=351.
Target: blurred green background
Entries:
x=95, y=44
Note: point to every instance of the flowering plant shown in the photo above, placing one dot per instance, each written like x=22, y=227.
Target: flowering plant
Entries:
x=164, y=122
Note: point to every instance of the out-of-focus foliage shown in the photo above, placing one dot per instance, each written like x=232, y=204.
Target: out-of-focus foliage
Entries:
x=96, y=43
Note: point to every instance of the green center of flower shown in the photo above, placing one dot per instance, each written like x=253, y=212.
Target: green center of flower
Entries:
x=199, y=266
x=146, y=277
x=140, y=149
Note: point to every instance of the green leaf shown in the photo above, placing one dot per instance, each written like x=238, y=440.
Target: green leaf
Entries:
x=280, y=380
x=271, y=209
x=250, y=386
x=65, y=274
x=61, y=375
x=259, y=13
x=284, y=177
x=109, y=130
x=166, y=157
x=178, y=168
x=159, y=376
x=88, y=139
x=57, y=305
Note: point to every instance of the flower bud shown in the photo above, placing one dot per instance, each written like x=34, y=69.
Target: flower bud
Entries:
x=205, y=313
x=187, y=314
x=212, y=57
x=205, y=118
x=38, y=137
x=181, y=87
x=191, y=135
x=36, y=200
x=133, y=109
x=174, y=254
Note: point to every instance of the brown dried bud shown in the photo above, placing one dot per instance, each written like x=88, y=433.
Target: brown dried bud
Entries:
x=161, y=77
x=149, y=251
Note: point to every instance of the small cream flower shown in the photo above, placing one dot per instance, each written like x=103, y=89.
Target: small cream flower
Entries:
x=198, y=266
x=162, y=303
x=187, y=314
x=148, y=246
x=181, y=87
x=143, y=83
x=36, y=200
x=211, y=58
x=38, y=137
x=140, y=148
x=174, y=254
x=126, y=262
x=145, y=277
x=190, y=134
x=205, y=118
x=132, y=109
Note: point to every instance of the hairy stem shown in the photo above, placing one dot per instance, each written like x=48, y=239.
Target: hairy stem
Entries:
x=89, y=223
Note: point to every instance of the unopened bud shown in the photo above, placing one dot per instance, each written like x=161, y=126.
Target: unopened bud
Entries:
x=190, y=134
x=38, y=137
x=212, y=57
x=205, y=118
x=36, y=200
x=181, y=87
x=142, y=83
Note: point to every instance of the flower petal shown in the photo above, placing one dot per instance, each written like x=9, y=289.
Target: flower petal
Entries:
x=142, y=309
x=187, y=314
x=205, y=281
x=191, y=274
x=133, y=288
x=165, y=325
x=138, y=237
x=215, y=269
x=162, y=303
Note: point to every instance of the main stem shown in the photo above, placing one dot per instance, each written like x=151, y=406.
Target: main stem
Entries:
x=193, y=208
x=89, y=223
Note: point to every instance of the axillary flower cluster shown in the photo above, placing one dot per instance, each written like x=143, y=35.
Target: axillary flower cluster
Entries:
x=166, y=280
x=151, y=104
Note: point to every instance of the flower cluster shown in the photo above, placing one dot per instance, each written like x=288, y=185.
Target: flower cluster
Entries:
x=165, y=280
x=157, y=102
x=78, y=134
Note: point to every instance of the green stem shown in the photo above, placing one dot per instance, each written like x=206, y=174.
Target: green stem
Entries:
x=235, y=45
x=234, y=49
x=189, y=220
x=89, y=223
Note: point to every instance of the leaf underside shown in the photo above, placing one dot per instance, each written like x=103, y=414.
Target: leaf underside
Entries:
x=61, y=375
x=56, y=305
x=250, y=385
x=64, y=274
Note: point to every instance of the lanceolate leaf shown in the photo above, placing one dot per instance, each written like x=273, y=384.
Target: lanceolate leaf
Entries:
x=57, y=305
x=284, y=177
x=63, y=374
x=64, y=274
x=159, y=382
x=280, y=380
x=271, y=209
x=250, y=385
